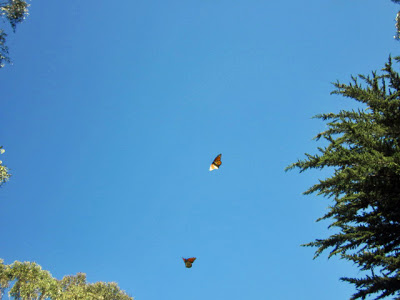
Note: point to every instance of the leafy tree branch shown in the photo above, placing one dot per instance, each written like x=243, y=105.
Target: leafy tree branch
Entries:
x=27, y=280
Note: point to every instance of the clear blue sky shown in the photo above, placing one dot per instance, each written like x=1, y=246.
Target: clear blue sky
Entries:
x=113, y=111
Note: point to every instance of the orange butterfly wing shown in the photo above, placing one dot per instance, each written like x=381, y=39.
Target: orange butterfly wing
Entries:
x=216, y=163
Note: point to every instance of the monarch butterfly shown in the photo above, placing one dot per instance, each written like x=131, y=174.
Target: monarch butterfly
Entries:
x=189, y=261
x=216, y=163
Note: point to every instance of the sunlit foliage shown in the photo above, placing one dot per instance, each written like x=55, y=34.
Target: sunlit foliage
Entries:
x=27, y=280
x=13, y=12
x=4, y=172
x=397, y=35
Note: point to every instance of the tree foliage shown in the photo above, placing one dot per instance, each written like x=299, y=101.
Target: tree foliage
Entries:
x=397, y=35
x=14, y=12
x=4, y=172
x=364, y=151
x=28, y=281
x=3, y=49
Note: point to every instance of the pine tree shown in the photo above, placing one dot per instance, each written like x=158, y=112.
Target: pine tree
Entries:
x=364, y=151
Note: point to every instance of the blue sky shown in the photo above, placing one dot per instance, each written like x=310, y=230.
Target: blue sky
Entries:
x=113, y=112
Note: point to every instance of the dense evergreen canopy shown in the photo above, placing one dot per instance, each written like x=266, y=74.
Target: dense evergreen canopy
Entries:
x=364, y=150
